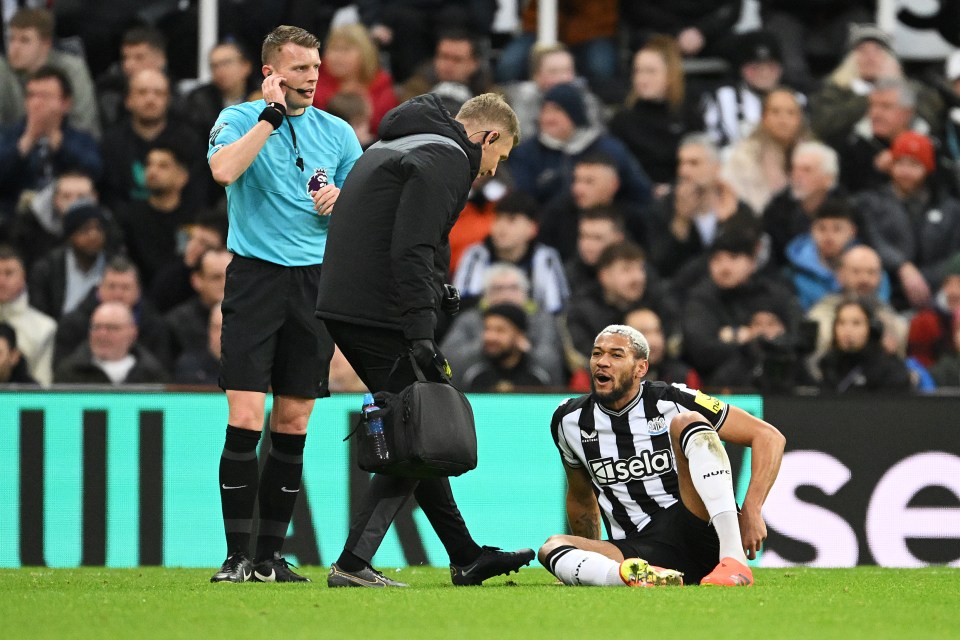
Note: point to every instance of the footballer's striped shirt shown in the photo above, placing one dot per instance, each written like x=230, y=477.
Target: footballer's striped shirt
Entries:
x=627, y=453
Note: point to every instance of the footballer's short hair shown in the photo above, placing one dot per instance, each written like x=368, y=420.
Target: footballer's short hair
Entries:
x=638, y=342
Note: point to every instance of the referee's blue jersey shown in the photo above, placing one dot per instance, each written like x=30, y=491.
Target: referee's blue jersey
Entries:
x=269, y=206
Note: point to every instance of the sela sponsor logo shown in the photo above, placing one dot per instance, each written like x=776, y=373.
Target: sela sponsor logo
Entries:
x=647, y=465
x=656, y=426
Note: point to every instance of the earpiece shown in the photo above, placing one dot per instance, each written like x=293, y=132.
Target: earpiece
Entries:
x=493, y=137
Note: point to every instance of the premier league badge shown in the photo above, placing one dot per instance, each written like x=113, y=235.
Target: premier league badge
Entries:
x=317, y=181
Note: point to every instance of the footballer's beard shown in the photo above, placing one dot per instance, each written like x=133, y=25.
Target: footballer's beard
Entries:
x=621, y=388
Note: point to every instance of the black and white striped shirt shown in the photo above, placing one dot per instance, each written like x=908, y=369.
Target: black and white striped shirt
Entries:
x=627, y=453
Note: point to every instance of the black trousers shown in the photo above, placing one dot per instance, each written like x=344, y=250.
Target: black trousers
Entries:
x=372, y=352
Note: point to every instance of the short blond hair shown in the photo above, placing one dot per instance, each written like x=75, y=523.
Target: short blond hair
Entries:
x=490, y=109
x=286, y=34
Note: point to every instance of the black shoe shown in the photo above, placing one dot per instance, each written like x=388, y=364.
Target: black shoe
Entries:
x=366, y=577
x=236, y=568
x=492, y=562
x=277, y=569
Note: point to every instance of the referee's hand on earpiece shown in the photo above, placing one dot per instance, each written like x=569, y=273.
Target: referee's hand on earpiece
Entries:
x=273, y=91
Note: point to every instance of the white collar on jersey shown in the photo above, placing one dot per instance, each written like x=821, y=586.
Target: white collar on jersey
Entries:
x=626, y=409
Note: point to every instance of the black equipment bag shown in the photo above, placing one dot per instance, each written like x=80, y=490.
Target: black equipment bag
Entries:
x=429, y=429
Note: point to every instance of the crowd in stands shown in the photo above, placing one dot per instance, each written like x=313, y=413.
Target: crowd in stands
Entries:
x=786, y=216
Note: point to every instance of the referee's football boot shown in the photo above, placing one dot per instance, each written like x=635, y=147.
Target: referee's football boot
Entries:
x=729, y=573
x=276, y=569
x=236, y=568
x=637, y=572
x=493, y=561
x=366, y=577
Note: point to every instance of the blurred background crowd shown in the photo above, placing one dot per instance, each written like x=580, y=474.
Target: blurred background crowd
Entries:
x=771, y=199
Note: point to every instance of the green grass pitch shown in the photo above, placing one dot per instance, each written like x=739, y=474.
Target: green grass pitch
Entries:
x=866, y=602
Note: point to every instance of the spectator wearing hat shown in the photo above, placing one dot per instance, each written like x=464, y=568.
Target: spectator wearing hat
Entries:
x=512, y=241
x=550, y=65
x=543, y=166
x=842, y=102
x=865, y=149
x=13, y=366
x=911, y=222
x=35, y=330
x=932, y=328
x=757, y=166
x=657, y=112
x=38, y=227
x=732, y=111
x=717, y=315
x=63, y=278
x=502, y=363
x=507, y=284
x=812, y=35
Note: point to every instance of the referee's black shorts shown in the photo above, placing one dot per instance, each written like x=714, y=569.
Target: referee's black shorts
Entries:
x=270, y=337
x=675, y=539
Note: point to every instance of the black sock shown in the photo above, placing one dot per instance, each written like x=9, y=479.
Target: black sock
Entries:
x=239, y=480
x=279, y=487
x=349, y=562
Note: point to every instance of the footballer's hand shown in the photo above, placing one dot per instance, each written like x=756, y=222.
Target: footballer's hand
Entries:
x=324, y=199
x=753, y=531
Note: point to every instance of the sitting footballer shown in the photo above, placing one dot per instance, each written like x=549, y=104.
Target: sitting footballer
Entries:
x=647, y=458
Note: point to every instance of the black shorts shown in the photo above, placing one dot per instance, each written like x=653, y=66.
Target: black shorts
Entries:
x=675, y=539
x=270, y=337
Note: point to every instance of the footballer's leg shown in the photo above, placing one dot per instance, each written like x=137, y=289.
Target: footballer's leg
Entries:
x=580, y=561
x=706, y=488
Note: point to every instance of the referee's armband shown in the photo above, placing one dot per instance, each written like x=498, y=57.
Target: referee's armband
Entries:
x=273, y=113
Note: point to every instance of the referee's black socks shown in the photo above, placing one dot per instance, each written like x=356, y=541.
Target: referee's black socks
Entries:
x=239, y=481
x=279, y=487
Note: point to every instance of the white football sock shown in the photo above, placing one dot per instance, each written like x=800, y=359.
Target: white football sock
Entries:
x=713, y=480
x=578, y=567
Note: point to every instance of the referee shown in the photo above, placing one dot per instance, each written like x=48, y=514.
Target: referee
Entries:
x=282, y=162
